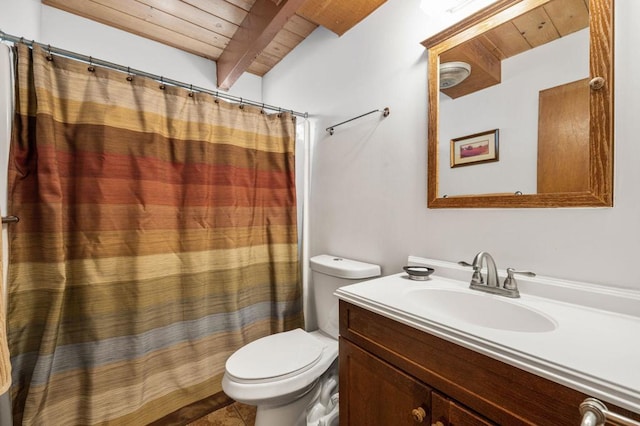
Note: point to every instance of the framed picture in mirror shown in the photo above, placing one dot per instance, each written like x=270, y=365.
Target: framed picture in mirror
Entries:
x=475, y=149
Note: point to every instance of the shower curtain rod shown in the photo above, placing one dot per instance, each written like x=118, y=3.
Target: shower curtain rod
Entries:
x=93, y=61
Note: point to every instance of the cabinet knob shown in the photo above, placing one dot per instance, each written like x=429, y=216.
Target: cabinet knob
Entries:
x=597, y=83
x=418, y=414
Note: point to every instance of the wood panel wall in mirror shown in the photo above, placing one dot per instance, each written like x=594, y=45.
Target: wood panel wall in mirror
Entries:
x=532, y=122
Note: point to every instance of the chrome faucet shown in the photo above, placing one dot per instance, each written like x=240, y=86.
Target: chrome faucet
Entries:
x=492, y=285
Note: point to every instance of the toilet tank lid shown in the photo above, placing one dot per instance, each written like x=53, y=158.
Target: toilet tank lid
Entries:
x=340, y=267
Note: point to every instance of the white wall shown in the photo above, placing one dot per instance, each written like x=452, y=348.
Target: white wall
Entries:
x=368, y=193
x=369, y=179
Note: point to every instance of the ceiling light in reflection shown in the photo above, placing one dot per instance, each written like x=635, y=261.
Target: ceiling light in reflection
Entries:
x=438, y=8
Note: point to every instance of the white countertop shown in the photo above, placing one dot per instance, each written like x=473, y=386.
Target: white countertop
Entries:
x=595, y=351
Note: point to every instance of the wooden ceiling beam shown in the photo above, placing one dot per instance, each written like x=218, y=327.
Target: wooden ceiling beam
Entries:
x=258, y=28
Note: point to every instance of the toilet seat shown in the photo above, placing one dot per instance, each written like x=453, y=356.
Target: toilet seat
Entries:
x=275, y=357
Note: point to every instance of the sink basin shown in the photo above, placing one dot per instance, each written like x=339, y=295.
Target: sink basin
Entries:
x=480, y=309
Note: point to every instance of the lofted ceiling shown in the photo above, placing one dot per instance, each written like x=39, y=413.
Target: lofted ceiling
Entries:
x=484, y=53
x=240, y=35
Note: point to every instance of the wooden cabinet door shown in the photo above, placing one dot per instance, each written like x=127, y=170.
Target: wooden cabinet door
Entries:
x=446, y=412
x=373, y=393
x=563, y=138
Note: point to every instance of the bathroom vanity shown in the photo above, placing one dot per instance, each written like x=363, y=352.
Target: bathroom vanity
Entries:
x=400, y=365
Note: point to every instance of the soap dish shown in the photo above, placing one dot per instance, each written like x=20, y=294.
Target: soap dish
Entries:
x=419, y=273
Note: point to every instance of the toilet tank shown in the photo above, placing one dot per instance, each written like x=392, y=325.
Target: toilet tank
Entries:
x=328, y=274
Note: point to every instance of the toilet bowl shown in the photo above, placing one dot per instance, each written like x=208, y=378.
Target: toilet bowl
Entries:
x=276, y=369
x=292, y=376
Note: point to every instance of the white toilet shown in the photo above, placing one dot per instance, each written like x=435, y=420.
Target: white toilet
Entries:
x=292, y=377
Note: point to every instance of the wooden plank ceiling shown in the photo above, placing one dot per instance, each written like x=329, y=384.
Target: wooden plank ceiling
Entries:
x=544, y=24
x=240, y=35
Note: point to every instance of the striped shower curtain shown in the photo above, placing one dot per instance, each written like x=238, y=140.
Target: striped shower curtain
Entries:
x=157, y=235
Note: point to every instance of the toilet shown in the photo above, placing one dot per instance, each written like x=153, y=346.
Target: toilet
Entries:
x=292, y=377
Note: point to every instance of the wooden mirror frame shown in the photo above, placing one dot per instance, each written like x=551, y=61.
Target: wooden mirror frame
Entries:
x=600, y=189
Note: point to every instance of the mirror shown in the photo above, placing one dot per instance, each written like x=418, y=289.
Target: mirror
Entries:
x=532, y=122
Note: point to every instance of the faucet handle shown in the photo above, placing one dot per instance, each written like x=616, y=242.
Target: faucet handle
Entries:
x=510, y=282
x=476, y=278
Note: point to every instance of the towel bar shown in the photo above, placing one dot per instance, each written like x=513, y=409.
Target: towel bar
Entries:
x=595, y=413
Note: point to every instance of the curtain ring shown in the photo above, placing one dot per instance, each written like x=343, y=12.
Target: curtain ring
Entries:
x=216, y=100
x=162, y=86
x=279, y=112
x=191, y=90
x=241, y=103
x=262, y=109
x=91, y=68
x=129, y=76
x=49, y=56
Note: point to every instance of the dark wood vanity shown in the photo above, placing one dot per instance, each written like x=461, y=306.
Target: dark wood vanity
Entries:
x=394, y=374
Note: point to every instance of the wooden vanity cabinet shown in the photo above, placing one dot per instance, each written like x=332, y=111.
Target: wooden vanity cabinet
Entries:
x=379, y=394
x=393, y=374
